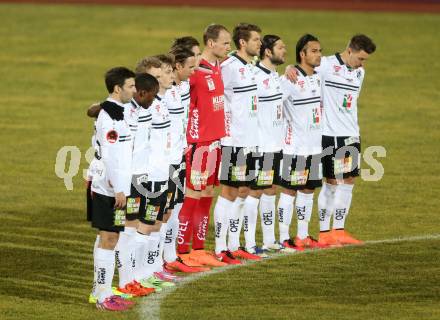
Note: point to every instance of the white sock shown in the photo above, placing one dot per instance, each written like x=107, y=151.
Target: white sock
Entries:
x=98, y=237
x=304, y=207
x=169, y=249
x=267, y=214
x=221, y=211
x=104, y=261
x=123, y=255
x=285, y=211
x=158, y=261
x=140, y=252
x=235, y=223
x=250, y=213
x=325, y=204
x=343, y=195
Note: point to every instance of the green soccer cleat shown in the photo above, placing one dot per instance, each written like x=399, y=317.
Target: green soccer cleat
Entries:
x=156, y=283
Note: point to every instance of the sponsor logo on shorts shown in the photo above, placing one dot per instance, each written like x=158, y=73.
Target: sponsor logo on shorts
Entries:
x=119, y=218
x=198, y=178
x=133, y=205
x=238, y=173
x=265, y=178
x=343, y=165
x=299, y=178
x=151, y=212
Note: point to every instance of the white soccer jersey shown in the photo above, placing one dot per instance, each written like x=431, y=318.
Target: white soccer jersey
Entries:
x=183, y=89
x=173, y=102
x=302, y=111
x=240, y=102
x=159, y=146
x=111, y=168
x=139, y=121
x=341, y=87
x=270, y=110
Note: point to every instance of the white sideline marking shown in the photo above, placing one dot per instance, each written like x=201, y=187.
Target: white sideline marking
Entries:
x=150, y=306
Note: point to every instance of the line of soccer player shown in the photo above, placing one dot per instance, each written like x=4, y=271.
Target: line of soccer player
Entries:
x=187, y=121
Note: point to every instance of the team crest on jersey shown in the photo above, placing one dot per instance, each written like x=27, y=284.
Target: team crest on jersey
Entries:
x=301, y=84
x=242, y=70
x=336, y=69
x=112, y=136
x=358, y=74
x=266, y=84
x=174, y=95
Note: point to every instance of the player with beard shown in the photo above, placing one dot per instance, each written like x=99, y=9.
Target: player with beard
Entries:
x=241, y=107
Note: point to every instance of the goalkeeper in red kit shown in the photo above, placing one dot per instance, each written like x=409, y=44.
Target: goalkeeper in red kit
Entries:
x=206, y=126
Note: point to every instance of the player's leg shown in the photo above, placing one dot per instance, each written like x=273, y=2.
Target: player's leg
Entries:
x=286, y=202
x=190, y=202
x=208, y=159
x=327, y=193
x=229, y=191
x=308, y=175
x=236, y=219
x=346, y=168
x=109, y=222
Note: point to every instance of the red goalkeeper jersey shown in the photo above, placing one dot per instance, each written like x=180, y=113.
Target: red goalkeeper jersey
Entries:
x=206, y=120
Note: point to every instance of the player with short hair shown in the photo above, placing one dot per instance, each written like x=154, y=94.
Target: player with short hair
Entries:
x=342, y=76
x=270, y=136
x=110, y=176
x=178, y=102
x=148, y=260
x=138, y=117
x=301, y=172
x=238, y=145
x=206, y=126
x=189, y=43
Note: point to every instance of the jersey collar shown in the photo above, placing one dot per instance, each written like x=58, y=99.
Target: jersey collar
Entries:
x=302, y=70
x=338, y=56
x=259, y=65
x=207, y=65
x=240, y=59
x=158, y=98
x=134, y=103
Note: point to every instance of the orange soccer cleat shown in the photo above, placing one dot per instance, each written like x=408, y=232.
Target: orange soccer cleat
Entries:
x=345, y=238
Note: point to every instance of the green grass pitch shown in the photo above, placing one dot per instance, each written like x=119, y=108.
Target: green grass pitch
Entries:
x=52, y=63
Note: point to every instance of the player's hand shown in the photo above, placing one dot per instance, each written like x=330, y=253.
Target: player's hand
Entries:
x=291, y=73
x=120, y=200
